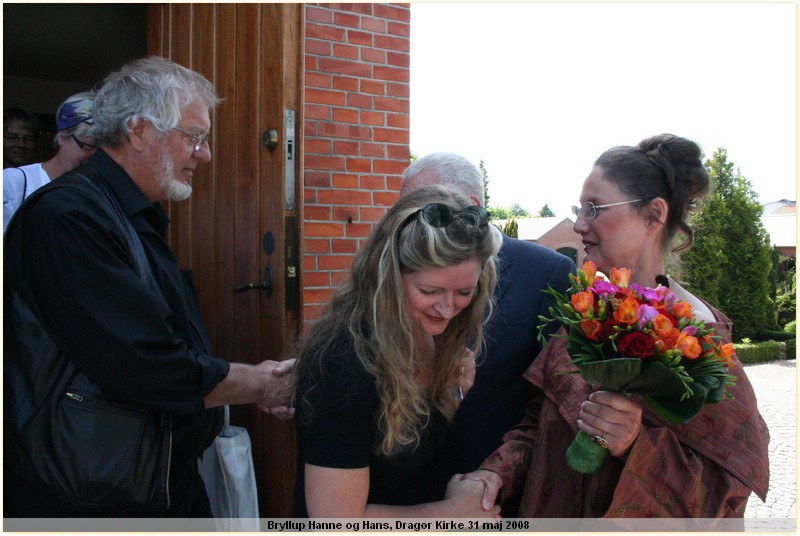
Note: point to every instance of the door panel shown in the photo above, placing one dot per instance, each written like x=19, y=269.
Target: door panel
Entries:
x=252, y=54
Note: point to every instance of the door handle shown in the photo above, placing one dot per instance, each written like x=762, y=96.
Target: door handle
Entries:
x=266, y=284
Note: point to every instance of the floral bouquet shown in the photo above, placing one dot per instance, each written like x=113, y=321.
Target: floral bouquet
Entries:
x=635, y=340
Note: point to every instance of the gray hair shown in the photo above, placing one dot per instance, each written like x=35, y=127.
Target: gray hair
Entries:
x=447, y=169
x=153, y=89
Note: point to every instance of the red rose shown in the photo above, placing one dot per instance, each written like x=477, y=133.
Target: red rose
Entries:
x=636, y=344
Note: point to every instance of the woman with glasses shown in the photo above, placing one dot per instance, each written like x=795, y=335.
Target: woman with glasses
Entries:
x=633, y=212
x=383, y=368
x=74, y=143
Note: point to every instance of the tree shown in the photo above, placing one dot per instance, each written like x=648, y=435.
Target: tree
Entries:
x=520, y=212
x=546, y=212
x=511, y=228
x=729, y=263
x=485, y=175
x=412, y=157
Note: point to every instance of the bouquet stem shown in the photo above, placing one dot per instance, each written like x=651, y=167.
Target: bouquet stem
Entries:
x=584, y=455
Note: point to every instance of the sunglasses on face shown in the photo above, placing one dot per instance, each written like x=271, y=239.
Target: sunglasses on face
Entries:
x=83, y=144
x=441, y=215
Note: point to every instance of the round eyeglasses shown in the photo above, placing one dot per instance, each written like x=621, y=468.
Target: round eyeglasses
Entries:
x=441, y=215
x=199, y=139
x=589, y=210
x=83, y=144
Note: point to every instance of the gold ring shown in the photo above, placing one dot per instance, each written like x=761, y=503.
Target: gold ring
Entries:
x=601, y=440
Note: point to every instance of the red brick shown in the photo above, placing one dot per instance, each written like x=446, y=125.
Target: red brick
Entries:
x=316, y=246
x=363, y=9
x=318, y=146
x=376, y=26
x=344, y=246
x=348, y=148
x=323, y=96
x=344, y=115
x=377, y=119
x=373, y=182
x=317, y=47
x=316, y=230
x=372, y=214
x=345, y=213
x=311, y=62
x=390, y=136
x=375, y=150
x=350, y=132
x=317, y=179
x=359, y=101
x=325, y=33
x=326, y=163
x=317, y=213
x=316, y=111
x=399, y=28
x=373, y=87
x=373, y=55
x=359, y=165
x=392, y=74
x=350, y=68
x=318, y=80
x=390, y=167
x=345, y=83
x=386, y=199
x=318, y=14
x=358, y=230
x=402, y=14
x=335, y=262
x=317, y=279
x=362, y=39
x=398, y=59
x=345, y=180
x=346, y=52
x=395, y=182
x=321, y=295
x=337, y=278
x=344, y=197
x=397, y=120
x=398, y=90
x=309, y=263
x=346, y=19
x=309, y=196
x=397, y=44
x=398, y=152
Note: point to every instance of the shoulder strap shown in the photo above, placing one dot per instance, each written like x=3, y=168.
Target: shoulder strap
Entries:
x=110, y=203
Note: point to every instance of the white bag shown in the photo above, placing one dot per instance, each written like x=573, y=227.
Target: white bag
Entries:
x=230, y=478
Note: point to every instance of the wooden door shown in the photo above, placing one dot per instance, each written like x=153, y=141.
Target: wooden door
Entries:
x=242, y=220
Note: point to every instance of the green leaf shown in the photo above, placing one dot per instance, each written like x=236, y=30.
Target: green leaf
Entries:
x=658, y=380
x=612, y=373
x=678, y=412
x=584, y=455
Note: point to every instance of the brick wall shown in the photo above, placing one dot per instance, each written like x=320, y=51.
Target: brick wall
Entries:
x=356, y=132
x=563, y=236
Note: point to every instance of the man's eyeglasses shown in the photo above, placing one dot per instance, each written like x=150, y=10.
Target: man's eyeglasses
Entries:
x=441, y=215
x=83, y=144
x=589, y=210
x=16, y=138
x=199, y=139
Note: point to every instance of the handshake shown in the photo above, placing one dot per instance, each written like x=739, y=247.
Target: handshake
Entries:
x=270, y=385
x=279, y=394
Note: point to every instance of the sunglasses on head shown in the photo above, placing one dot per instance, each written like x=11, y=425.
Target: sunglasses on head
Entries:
x=441, y=215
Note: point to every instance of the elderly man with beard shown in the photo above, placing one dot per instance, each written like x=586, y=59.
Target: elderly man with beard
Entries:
x=127, y=340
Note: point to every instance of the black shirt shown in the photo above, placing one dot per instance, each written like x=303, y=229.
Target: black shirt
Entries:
x=338, y=428
x=145, y=349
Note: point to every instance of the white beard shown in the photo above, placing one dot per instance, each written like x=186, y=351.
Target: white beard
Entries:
x=174, y=189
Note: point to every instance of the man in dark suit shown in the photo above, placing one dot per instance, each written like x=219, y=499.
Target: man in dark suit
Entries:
x=498, y=397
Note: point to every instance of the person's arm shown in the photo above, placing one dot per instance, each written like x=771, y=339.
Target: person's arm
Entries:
x=342, y=493
x=267, y=384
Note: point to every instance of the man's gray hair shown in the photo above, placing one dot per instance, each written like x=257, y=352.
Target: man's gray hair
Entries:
x=152, y=88
x=448, y=169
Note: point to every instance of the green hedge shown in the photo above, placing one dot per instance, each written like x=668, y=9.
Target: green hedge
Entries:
x=758, y=352
x=791, y=349
x=774, y=336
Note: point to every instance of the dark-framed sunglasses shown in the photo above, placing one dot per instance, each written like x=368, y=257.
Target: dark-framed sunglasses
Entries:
x=441, y=215
x=83, y=144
